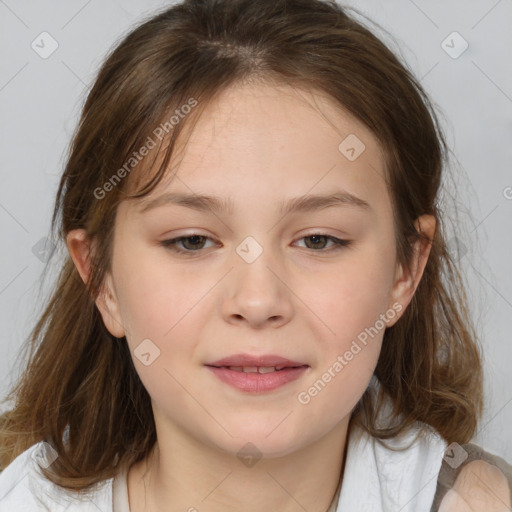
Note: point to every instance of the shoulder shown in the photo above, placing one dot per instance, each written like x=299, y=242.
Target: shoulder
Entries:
x=471, y=479
x=479, y=486
x=24, y=487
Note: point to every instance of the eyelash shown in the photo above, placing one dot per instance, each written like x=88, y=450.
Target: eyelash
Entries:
x=171, y=244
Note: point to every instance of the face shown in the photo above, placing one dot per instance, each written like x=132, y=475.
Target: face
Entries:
x=260, y=272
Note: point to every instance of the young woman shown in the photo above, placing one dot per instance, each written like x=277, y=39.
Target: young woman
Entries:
x=258, y=311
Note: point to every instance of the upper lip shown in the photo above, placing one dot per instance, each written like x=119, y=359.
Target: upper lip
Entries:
x=245, y=360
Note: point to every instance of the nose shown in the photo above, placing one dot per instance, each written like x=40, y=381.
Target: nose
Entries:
x=257, y=293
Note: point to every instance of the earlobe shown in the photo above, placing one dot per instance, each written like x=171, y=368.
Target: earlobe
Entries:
x=80, y=249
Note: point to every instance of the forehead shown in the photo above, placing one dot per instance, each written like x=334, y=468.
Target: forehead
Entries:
x=253, y=116
x=262, y=139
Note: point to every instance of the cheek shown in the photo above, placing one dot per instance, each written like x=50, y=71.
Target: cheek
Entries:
x=353, y=311
x=164, y=304
x=158, y=306
x=351, y=298
x=351, y=345
x=154, y=295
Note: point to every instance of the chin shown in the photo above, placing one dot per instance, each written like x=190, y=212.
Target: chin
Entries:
x=260, y=442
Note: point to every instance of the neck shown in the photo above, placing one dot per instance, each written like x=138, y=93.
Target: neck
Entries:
x=184, y=474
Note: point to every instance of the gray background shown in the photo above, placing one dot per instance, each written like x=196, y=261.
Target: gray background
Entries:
x=40, y=99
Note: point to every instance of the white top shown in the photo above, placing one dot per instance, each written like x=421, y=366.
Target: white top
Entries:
x=120, y=492
x=375, y=479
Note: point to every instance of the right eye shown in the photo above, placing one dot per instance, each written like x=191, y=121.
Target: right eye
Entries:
x=194, y=242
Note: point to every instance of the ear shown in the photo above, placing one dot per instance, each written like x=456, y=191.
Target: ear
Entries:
x=80, y=248
x=408, y=279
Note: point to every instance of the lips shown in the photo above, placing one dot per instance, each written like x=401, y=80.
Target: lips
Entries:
x=257, y=374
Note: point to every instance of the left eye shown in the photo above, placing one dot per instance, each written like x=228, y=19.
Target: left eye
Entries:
x=194, y=243
x=320, y=239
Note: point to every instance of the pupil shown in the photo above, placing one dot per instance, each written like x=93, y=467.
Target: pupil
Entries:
x=196, y=239
x=315, y=239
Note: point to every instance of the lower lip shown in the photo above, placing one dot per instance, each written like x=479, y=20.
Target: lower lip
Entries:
x=258, y=382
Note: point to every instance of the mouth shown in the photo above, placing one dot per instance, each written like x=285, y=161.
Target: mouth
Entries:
x=266, y=361
x=257, y=369
x=257, y=374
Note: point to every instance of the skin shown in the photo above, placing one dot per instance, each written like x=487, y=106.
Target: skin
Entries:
x=302, y=298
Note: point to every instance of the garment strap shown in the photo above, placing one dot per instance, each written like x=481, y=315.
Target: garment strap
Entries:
x=455, y=458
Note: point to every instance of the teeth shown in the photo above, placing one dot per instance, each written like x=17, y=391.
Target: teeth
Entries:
x=266, y=369
x=254, y=369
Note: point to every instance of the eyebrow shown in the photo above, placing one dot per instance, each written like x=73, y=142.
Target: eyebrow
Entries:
x=307, y=203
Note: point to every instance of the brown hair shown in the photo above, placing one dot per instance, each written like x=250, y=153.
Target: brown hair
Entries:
x=81, y=377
